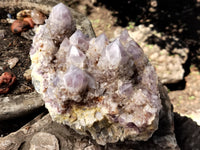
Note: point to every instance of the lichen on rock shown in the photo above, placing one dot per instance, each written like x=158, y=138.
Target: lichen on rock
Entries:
x=107, y=89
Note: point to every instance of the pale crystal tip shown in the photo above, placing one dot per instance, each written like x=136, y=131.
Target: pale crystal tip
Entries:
x=107, y=89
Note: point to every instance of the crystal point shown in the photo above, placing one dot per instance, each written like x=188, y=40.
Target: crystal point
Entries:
x=106, y=89
x=75, y=80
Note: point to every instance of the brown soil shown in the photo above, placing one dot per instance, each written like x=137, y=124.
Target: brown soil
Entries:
x=181, y=20
x=13, y=45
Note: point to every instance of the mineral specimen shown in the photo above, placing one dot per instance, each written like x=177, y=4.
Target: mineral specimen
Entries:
x=106, y=89
x=37, y=16
x=168, y=59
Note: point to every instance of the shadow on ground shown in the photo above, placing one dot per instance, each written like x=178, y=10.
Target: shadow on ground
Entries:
x=187, y=132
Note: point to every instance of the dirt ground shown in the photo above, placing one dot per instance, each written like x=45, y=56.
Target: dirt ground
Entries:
x=177, y=18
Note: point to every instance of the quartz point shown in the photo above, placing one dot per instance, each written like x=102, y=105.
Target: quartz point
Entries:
x=75, y=81
x=108, y=90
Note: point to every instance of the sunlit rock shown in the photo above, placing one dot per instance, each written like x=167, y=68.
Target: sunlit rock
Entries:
x=106, y=89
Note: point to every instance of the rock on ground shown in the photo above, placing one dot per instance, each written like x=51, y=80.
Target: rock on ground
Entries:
x=166, y=55
x=19, y=105
x=24, y=138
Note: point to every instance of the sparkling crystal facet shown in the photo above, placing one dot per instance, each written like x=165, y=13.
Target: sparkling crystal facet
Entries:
x=107, y=89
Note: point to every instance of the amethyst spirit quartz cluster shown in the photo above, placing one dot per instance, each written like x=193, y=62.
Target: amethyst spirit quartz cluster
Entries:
x=107, y=89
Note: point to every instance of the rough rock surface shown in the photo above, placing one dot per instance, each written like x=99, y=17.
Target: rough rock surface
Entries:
x=106, y=89
x=163, y=138
x=24, y=138
x=167, y=60
x=44, y=140
x=19, y=105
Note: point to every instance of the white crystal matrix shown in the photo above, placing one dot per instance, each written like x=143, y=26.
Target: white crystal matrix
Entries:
x=106, y=89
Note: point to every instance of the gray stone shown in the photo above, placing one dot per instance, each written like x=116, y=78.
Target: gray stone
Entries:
x=44, y=141
x=25, y=138
x=163, y=138
x=19, y=105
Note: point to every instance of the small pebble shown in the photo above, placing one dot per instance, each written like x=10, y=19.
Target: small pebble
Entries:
x=9, y=16
x=23, y=14
x=2, y=34
x=9, y=20
x=6, y=80
x=3, y=21
x=12, y=62
x=45, y=141
x=38, y=17
x=27, y=74
x=19, y=26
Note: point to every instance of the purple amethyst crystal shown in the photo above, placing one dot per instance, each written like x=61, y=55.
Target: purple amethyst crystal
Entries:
x=106, y=89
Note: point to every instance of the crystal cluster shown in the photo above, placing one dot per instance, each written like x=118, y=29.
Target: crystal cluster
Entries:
x=106, y=89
